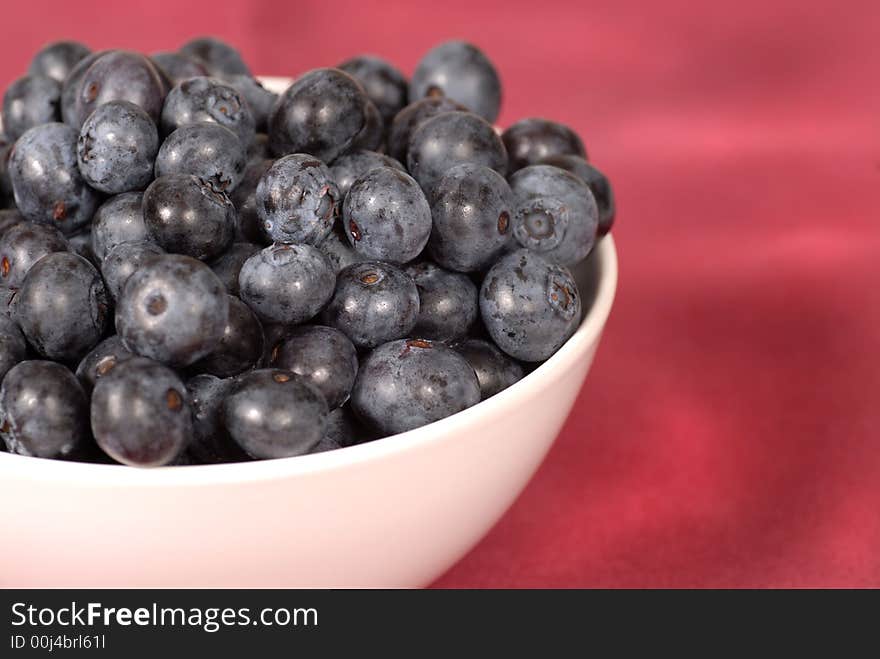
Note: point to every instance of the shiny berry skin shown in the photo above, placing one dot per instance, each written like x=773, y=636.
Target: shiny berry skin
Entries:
x=556, y=214
x=372, y=134
x=173, y=310
x=460, y=71
x=218, y=57
x=598, y=183
x=63, y=307
x=118, y=220
x=297, y=200
x=177, y=66
x=81, y=244
x=22, y=246
x=119, y=75
x=46, y=180
x=385, y=85
x=30, y=101
x=386, y=216
x=321, y=113
x=207, y=150
x=409, y=383
x=187, y=215
x=472, y=209
x=450, y=139
x=227, y=266
x=196, y=100
x=9, y=217
x=100, y=360
x=259, y=99
x=13, y=348
x=122, y=261
x=55, y=427
x=373, y=303
x=323, y=357
x=57, y=59
x=345, y=429
x=287, y=284
x=70, y=89
x=141, y=414
x=351, y=166
x=495, y=370
x=240, y=347
x=211, y=443
x=117, y=147
x=339, y=251
x=272, y=413
x=410, y=118
x=447, y=302
x=529, y=141
x=249, y=227
x=529, y=306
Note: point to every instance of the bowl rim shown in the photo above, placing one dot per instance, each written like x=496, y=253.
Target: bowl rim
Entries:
x=112, y=475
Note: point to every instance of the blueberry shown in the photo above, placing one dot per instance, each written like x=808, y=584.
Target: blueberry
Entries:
x=7, y=302
x=118, y=220
x=409, y=383
x=472, y=208
x=597, y=182
x=141, y=414
x=240, y=347
x=30, y=101
x=196, y=100
x=373, y=133
x=447, y=302
x=22, y=246
x=529, y=306
x=44, y=409
x=386, y=216
x=529, y=141
x=122, y=261
x=117, y=147
x=173, y=310
x=57, y=59
x=460, y=71
x=410, y=118
x=323, y=357
x=211, y=443
x=449, y=139
x=119, y=75
x=187, y=215
x=374, y=302
x=70, y=89
x=177, y=66
x=260, y=99
x=495, y=370
x=338, y=250
x=81, y=245
x=46, y=180
x=217, y=56
x=13, y=348
x=344, y=429
x=287, y=284
x=297, y=200
x=207, y=150
x=9, y=217
x=250, y=227
x=345, y=169
x=100, y=360
x=7, y=198
x=385, y=85
x=272, y=413
x=228, y=265
x=321, y=113
x=326, y=444
x=556, y=214
x=63, y=306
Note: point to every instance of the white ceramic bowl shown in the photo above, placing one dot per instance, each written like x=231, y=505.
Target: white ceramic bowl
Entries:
x=394, y=512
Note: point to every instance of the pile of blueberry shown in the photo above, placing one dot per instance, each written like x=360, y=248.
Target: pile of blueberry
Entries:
x=195, y=270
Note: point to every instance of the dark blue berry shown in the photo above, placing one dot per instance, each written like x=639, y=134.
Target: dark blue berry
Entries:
x=326, y=444
x=81, y=244
x=228, y=265
x=374, y=302
x=117, y=147
x=196, y=100
x=122, y=261
x=447, y=302
x=30, y=101
x=240, y=347
x=118, y=220
x=173, y=309
x=410, y=118
x=57, y=59
x=529, y=141
x=385, y=85
x=9, y=217
x=460, y=71
x=177, y=66
x=556, y=214
x=409, y=383
x=351, y=166
x=70, y=89
x=211, y=442
x=207, y=150
x=344, y=429
x=373, y=133
x=529, y=306
x=596, y=180
x=495, y=370
x=44, y=410
x=260, y=99
x=297, y=200
x=250, y=227
x=323, y=357
x=218, y=57
x=287, y=284
x=472, y=208
x=13, y=348
x=100, y=360
x=272, y=413
x=22, y=245
x=339, y=251
x=141, y=414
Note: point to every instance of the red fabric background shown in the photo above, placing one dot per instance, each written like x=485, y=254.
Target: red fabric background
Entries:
x=728, y=433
